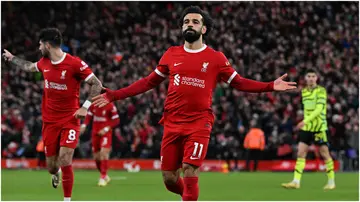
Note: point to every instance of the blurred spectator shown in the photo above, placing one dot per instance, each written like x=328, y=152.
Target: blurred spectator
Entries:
x=41, y=154
x=123, y=41
x=254, y=143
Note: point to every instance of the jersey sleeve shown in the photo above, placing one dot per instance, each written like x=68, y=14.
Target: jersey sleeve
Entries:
x=114, y=116
x=82, y=70
x=39, y=65
x=113, y=113
x=321, y=97
x=162, y=68
x=226, y=72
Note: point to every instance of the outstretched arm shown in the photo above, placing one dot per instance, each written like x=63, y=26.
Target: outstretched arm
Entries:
x=229, y=75
x=249, y=85
x=18, y=62
x=140, y=86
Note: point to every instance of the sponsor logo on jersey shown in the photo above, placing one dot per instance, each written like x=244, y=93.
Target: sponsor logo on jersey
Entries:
x=195, y=82
x=177, y=80
x=99, y=119
x=55, y=86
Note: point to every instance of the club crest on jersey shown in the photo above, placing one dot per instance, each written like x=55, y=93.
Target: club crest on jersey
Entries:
x=205, y=65
x=63, y=74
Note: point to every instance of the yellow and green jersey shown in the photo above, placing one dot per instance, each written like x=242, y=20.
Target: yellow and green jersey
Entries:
x=314, y=102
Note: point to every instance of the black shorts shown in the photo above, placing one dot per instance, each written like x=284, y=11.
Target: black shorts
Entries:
x=319, y=138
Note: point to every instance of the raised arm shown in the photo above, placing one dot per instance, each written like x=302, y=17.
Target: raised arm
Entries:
x=20, y=63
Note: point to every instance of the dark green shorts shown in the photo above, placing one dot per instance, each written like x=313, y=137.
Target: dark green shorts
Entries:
x=319, y=138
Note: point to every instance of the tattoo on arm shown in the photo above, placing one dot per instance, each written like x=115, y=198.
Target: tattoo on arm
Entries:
x=96, y=87
x=23, y=64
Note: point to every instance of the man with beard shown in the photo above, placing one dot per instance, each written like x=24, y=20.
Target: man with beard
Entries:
x=62, y=74
x=193, y=70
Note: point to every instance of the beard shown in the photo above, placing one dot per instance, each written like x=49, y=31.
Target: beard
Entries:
x=45, y=53
x=191, y=35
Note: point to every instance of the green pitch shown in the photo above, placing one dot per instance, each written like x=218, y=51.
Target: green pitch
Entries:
x=35, y=185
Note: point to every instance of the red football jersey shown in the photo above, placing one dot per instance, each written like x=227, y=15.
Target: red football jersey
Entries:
x=102, y=117
x=192, y=78
x=61, y=87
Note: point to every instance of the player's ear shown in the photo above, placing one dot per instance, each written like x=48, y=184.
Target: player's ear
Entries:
x=203, y=29
x=47, y=45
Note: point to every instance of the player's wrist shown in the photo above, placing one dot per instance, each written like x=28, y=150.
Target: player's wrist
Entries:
x=86, y=104
x=109, y=95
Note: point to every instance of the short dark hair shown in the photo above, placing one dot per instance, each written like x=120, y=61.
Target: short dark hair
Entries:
x=311, y=71
x=52, y=36
x=207, y=20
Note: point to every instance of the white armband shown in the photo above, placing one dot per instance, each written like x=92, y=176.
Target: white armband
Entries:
x=86, y=104
x=106, y=129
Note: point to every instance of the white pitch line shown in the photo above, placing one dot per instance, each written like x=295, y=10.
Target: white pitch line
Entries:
x=119, y=178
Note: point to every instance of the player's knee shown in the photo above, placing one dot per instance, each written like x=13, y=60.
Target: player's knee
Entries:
x=302, y=150
x=301, y=154
x=65, y=157
x=104, y=154
x=190, y=170
x=324, y=152
x=53, y=170
x=169, y=177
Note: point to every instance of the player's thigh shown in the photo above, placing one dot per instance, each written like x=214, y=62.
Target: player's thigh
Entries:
x=106, y=140
x=96, y=156
x=321, y=138
x=195, y=148
x=105, y=152
x=96, y=143
x=69, y=135
x=171, y=151
x=65, y=156
x=305, y=137
x=51, y=138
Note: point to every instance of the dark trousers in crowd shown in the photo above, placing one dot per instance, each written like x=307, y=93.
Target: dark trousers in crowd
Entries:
x=252, y=154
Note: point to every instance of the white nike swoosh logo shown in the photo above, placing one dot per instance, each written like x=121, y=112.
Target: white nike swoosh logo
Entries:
x=46, y=70
x=193, y=158
x=67, y=141
x=176, y=64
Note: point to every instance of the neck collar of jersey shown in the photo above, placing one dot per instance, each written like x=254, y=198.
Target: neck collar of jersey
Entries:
x=59, y=61
x=195, y=51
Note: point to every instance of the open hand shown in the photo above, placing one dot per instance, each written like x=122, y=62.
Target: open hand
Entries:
x=281, y=85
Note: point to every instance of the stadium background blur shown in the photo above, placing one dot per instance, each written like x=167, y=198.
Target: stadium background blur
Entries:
x=123, y=41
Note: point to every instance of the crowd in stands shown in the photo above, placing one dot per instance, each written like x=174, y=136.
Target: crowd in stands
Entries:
x=123, y=41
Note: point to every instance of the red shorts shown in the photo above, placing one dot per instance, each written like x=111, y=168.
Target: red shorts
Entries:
x=60, y=135
x=99, y=142
x=187, y=143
